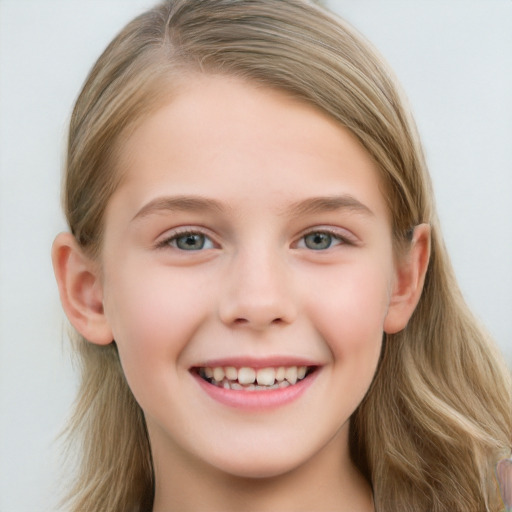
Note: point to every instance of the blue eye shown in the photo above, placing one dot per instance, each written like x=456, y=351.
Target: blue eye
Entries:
x=190, y=242
x=319, y=241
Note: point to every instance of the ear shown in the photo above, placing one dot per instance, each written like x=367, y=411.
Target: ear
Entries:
x=80, y=289
x=409, y=280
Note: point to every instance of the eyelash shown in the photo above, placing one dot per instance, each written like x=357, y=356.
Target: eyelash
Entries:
x=336, y=236
x=167, y=242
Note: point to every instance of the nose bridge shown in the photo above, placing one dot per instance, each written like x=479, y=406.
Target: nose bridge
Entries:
x=258, y=290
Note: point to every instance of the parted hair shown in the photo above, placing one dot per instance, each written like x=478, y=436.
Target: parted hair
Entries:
x=438, y=414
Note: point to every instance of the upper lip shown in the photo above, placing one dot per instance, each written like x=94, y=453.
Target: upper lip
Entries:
x=257, y=362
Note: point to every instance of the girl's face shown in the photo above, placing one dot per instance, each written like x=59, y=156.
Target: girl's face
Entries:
x=250, y=239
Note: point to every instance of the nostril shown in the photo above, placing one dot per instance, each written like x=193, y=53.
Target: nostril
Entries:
x=245, y=321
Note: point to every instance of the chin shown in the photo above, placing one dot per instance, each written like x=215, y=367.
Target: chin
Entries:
x=260, y=472
x=260, y=465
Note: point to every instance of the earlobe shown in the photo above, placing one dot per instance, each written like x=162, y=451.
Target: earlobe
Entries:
x=409, y=280
x=80, y=290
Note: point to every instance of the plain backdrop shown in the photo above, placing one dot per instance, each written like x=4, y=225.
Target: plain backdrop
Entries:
x=454, y=60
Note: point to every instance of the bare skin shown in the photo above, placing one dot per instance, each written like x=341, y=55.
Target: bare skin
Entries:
x=303, y=489
x=250, y=231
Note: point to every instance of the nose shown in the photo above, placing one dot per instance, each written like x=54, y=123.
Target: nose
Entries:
x=258, y=292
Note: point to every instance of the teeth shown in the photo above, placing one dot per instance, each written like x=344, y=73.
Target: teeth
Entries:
x=266, y=376
x=218, y=373
x=290, y=375
x=246, y=375
x=231, y=373
x=250, y=379
x=280, y=373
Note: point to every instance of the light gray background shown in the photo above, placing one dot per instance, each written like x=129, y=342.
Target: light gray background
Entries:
x=453, y=58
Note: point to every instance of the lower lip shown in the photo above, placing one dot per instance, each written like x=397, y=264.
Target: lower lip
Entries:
x=257, y=399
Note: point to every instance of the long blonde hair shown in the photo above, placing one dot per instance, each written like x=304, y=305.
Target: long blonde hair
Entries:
x=438, y=414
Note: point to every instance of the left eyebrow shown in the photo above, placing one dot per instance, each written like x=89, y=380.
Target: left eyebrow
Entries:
x=179, y=204
x=328, y=204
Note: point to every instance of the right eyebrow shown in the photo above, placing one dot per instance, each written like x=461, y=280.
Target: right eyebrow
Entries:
x=178, y=203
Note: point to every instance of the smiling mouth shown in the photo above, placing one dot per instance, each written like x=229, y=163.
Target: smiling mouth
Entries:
x=252, y=379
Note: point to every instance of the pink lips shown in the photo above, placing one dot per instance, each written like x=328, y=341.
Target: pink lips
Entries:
x=256, y=400
x=251, y=362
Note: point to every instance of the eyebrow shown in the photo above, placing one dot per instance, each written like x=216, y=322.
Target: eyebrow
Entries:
x=300, y=208
x=179, y=204
x=329, y=204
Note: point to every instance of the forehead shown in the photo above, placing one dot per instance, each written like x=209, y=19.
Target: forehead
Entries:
x=222, y=135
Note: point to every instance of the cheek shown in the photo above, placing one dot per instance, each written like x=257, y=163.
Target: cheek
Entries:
x=349, y=314
x=349, y=317
x=153, y=316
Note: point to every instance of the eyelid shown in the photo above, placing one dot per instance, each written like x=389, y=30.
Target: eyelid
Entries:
x=164, y=240
x=344, y=236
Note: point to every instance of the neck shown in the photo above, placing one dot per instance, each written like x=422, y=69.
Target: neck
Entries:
x=327, y=482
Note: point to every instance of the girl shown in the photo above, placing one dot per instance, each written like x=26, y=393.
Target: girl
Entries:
x=267, y=316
